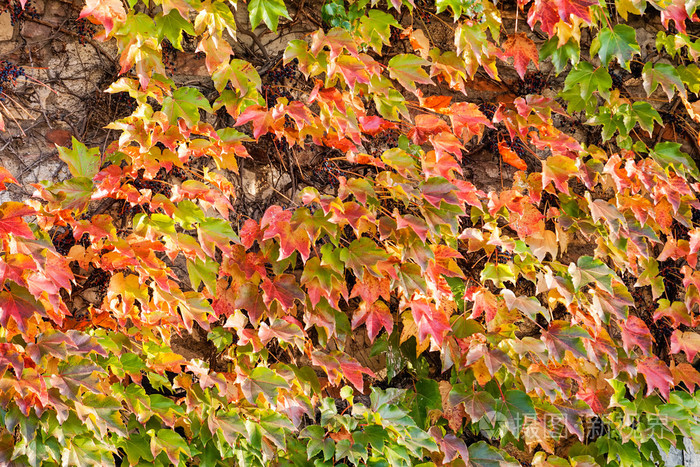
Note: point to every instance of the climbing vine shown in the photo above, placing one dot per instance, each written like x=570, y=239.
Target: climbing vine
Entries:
x=552, y=321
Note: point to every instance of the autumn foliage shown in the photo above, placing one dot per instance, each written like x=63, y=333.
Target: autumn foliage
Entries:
x=549, y=322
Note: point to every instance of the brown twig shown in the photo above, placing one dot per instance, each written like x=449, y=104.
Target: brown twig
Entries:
x=256, y=41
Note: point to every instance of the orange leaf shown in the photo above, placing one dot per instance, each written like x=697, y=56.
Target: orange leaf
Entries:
x=522, y=49
x=510, y=157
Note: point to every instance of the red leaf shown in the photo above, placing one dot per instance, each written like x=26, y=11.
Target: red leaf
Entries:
x=561, y=337
x=430, y=321
x=558, y=169
x=677, y=312
x=578, y=8
x=373, y=125
x=276, y=223
x=260, y=116
x=510, y=157
x=656, y=374
x=446, y=143
x=544, y=11
x=522, y=49
x=375, y=315
x=11, y=221
x=353, y=370
x=250, y=232
x=371, y=288
x=19, y=305
x=104, y=11
x=687, y=374
x=635, y=332
x=467, y=120
x=596, y=393
x=688, y=342
x=674, y=249
x=677, y=12
x=5, y=175
x=425, y=126
x=284, y=289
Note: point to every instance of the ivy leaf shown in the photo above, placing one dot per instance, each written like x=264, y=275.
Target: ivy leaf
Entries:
x=106, y=12
x=407, y=70
x=284, y=289
x=561, y=55
x=510, y=157
x=203, y=271
x=431, y=322
x=516, y=407
x=665, y=75
x=528, y=306
x=645, y=115
x=11, y=222
x=620, y=42
x=591, y=270
x=657, y=375
x=375, y=316
x=522, y=49
x=172, y=443
x=669, y=154
x=585, y=80
x=688, y=342
x=635, y=332
x=241, y=74
x=17, y=303
x=677, y=312
x=560, y=337
x=262, y=381
x=482, y=454
x=427, y=398
x=477, y=404
x=185, y=103
x=81, y=161
x=498, y=274
x=362, y=254
x=267, y=11
x=172, y=26
x=376, y=28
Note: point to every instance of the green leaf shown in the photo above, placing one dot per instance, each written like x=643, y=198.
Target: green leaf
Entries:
x=498, y=274
x=267, y=11
x=172, y=443
x=81, y=161
x=407, y=70
x=220, y=337
x=665, y=75
x=427, y=398
x=645, y=115
x=485, y=455
x=561, y=337
x=203, y=271
x=262, y=381
x=171, y=26
x=362, y=254
x=585, y=80
x=375, y=28
x=185, y=103
x=561, y=56
x=241, y=74
x=620, y=42
x=516, y=408
x=591, y=270
x=670, y=154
